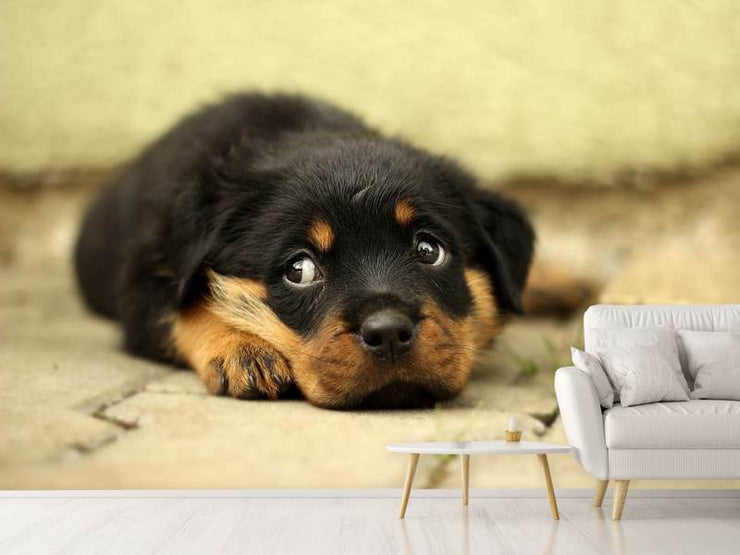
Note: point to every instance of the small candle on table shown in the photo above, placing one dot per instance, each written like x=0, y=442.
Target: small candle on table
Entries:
x=513, y=424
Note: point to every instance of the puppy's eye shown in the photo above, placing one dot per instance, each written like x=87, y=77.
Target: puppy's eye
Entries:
x=302, y=271
x=430, y=251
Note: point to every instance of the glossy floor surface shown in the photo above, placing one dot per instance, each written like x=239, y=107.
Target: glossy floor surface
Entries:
x=364, y=525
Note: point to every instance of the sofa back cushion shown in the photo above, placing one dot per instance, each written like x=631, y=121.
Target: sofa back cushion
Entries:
x=721, y=318
x=713, y=360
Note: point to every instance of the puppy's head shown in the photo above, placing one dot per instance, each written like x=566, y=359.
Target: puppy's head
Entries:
x=375, y=268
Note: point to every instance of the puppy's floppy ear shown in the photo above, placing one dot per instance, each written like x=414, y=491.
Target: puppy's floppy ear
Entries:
x=503, y=245
x=209, y=217
x=191, y=278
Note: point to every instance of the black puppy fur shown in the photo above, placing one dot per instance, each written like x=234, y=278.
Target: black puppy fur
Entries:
x=235, y=189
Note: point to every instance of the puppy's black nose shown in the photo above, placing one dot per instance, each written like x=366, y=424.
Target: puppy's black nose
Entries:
x=387, y=333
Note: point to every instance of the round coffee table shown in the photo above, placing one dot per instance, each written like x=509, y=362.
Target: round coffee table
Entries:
x=467, y=448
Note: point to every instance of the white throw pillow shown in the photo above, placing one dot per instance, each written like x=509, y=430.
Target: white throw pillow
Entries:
x=643, y=364
x=591, y=365
x=713, y=359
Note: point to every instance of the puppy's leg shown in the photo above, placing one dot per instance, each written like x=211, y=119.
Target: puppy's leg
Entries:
x=229, y=362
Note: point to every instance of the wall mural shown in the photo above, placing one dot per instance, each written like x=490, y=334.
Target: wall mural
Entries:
x=232, y=287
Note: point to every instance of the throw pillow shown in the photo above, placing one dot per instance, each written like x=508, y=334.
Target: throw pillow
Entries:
x=714, y=362
x=643, y=364
x=591, y=365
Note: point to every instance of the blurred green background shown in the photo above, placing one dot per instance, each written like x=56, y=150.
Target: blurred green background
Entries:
x=577, y=89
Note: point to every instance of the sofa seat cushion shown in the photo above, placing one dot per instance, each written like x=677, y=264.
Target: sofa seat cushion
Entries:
x=695, y=424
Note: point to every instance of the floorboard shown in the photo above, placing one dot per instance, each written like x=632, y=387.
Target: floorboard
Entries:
x=365, y=526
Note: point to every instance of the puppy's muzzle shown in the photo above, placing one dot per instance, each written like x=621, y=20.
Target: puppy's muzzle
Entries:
x=387, y=334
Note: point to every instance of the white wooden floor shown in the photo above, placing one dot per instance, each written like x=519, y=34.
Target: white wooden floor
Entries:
x=364, y=525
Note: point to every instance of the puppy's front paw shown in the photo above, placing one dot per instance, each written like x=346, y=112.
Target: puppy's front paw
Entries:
x=250, y=371
x=228, y=361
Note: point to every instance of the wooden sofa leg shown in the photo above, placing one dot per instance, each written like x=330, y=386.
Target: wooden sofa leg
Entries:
x=601, y=486
x=619, y=497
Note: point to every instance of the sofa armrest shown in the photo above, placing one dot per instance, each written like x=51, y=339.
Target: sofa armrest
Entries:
x=580, y=412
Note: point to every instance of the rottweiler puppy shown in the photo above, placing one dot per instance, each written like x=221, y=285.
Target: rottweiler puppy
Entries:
x=275, y=243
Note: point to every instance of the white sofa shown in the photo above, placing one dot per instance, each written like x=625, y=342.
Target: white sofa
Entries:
x=671, y=440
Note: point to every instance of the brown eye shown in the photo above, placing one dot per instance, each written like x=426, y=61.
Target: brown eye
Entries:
x=430, y=251
x=302, y=271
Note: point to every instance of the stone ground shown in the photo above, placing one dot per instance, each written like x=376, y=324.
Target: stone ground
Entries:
x=79, y=413
x=76, y=412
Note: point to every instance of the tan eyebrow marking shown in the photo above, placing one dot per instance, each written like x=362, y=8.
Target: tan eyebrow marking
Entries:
x=404, y=212
x=321, y=235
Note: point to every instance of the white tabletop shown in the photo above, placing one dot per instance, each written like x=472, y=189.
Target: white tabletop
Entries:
x=478, y=448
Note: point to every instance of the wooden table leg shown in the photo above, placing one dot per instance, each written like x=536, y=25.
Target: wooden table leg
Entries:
x=413, y=461
x=465, y=467
x=548, y=483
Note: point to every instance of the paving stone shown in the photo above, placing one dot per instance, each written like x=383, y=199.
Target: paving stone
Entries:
x=180, y=381
x=673, y=241
x=697, y=263
x=43, y=434
x=57, y=367
x=185, y=440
